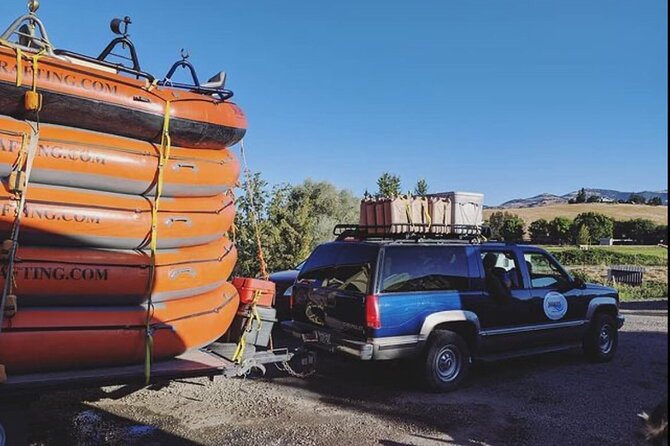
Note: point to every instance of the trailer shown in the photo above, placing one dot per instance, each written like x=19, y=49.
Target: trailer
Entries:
x=19, y=391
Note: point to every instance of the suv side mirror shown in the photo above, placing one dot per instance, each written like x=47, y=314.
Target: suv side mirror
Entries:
x=579, y=283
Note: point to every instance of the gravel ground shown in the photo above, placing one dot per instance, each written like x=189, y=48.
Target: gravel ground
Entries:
x=549, y=400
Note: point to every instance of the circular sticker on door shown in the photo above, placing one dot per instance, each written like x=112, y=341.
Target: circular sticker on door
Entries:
x=555, y=305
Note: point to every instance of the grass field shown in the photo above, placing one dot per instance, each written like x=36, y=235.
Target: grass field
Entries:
x=657, y=214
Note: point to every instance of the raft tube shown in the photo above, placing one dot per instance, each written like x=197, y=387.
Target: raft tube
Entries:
x=90, y=160
x=59, y=216
x=81, y=95
x=61, y=338
x=46, y=276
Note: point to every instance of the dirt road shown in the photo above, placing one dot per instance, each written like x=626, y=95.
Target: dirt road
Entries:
x=551, y=400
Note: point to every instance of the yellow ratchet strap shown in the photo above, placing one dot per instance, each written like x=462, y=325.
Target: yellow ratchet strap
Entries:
x=164, y=157
x=242, y=343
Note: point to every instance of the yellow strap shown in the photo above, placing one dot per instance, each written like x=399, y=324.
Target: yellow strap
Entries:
x=408, y=212
x=239, y=350
x=21, y=158
x=151, y=85
x=242, y=343
x=19, y=67
x=426, y=214
x=36, y=58
x=25, y=167
x=164, y=156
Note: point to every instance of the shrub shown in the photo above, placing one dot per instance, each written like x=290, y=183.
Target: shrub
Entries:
x=597, y=256
x=651, y=289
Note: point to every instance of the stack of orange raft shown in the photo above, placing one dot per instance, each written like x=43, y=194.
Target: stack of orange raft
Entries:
x=121, y=198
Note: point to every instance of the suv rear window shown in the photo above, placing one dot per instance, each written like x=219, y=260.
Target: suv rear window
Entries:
x=341, y=266
x=424, y=268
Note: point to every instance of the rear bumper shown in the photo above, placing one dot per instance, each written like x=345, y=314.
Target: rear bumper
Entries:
x=370, y=349
x=620, y=321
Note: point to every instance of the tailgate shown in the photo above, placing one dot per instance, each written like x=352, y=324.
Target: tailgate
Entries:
x=332, y=286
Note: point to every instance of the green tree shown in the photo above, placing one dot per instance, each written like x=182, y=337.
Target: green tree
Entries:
x=388, y=185
x=641, y=230
x=636, y=199
x=539, y=231
x=290, y=227
x=594, y=199
x=599, y=225
x=581, y=196
x=661, y=234
x=560, y=230
x=330, y=206
x=506, y=226
x=583, y=235
x=251, y=204
x=655, y=201
x=421, y=187
x=291, y=221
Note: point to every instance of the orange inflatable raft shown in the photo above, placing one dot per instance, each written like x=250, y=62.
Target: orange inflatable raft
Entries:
x=46, y=276
x=63, y=338
x=90, y=160
x=77, y=93
x=76, y=217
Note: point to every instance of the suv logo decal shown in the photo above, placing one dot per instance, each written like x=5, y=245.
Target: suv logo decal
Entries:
x=555, y=305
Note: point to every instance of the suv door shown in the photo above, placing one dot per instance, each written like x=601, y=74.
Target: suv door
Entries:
x=559, y=307
x=505, y=305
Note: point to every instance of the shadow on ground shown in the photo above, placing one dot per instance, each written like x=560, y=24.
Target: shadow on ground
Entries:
x=549, y=399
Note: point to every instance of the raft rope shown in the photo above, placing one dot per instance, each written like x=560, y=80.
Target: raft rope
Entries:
x=164, y=157
x=254, y=220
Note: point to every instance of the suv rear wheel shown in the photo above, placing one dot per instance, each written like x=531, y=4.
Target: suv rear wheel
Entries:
x=447, y=361
x=601, y=340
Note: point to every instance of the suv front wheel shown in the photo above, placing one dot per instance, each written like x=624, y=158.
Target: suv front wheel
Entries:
x=602, y=339
x=447, y=361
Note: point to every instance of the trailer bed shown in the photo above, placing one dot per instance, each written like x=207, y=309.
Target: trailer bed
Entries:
x=189, y=365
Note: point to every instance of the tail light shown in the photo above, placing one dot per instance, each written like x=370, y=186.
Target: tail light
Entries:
x=290, y=297
x=372, y=317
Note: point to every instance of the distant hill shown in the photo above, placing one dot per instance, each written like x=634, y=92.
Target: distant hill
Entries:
x=606, y=194
x=657, y=214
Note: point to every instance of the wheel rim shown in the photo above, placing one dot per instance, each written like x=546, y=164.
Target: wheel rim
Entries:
x=606, y=339
x=448, y=364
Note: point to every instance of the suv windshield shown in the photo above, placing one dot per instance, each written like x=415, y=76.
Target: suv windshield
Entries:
x=424, y=268
x=341, y=266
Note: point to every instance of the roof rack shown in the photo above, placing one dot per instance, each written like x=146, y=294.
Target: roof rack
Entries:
x=415, y=232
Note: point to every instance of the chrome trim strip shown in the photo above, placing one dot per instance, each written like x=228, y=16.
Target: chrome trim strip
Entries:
x=392, y=341
x=531, y=328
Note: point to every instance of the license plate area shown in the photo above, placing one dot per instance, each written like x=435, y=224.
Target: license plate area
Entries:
x=323, y=338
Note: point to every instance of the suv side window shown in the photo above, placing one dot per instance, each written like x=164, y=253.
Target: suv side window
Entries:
x=544, y=272
x=424, y=268
x=501, y=266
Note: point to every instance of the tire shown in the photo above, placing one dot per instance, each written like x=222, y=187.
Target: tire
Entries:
x=602, y=338
x=446, y=362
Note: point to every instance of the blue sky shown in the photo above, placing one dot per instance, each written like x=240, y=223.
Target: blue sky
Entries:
x=510, y=98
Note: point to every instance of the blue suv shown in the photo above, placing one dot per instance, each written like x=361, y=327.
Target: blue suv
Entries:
x=446, y=303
